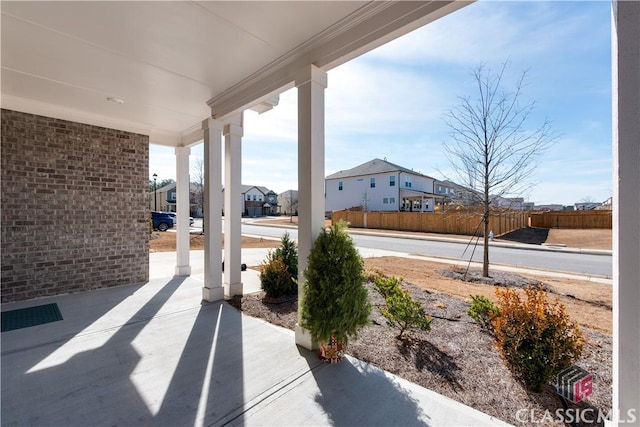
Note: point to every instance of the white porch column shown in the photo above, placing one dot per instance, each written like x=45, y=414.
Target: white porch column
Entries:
x=233, y=206
x=311, y=83
x=212, y=290
x=626, y=208
x=182, y=209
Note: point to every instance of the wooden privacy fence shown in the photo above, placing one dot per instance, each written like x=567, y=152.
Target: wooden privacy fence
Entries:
x=572, y=219
x=438, y=222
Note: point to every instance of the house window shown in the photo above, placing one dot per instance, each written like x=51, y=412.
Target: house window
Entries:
x=385, y=200
x=392, y=180
x=339, y=185
x=254, y=197
x=392, y=199
x=248, y=197
x=260, y=198
x=372, y=183
x=439, y=188
x=407, y=182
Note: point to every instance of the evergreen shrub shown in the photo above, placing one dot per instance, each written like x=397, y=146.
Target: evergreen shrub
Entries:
x=336, y=301
x=288, y=251
x=279, y=275
x=386, y=286
x=275, y=279
x=482, y=311
x=404, y=313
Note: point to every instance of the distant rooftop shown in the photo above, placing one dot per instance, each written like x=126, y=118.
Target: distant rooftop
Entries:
x=372, y=167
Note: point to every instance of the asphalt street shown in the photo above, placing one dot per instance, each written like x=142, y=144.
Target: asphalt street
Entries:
x=565, y=260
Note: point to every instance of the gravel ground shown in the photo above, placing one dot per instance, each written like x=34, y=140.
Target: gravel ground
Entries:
x=456, y=358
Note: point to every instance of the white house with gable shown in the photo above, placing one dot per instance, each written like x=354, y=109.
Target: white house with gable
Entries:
x=379, y=185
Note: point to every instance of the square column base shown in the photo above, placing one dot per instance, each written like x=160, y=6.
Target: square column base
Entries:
x=212, y=294
x=183, y=270
x=303, y=338
x=233, y=289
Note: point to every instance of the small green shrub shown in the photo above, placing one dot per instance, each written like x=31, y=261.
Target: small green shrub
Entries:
x=405, y=313
x=336, y=301
x=279, y=275
x=482, y=311
x=386, y=286
x=275, y=279
x=535, y=338
x=288, y=251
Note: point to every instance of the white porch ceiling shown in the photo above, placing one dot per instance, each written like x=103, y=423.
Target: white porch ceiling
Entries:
x=169, y=60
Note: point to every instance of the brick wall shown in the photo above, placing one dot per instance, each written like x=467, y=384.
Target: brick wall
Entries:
x=74, y=207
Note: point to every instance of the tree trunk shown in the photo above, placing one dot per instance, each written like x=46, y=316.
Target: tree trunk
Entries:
x=485, y=260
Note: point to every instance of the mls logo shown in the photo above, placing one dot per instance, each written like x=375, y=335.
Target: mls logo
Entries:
x=574, y=384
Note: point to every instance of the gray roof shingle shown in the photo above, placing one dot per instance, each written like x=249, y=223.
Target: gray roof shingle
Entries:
x=371, y=167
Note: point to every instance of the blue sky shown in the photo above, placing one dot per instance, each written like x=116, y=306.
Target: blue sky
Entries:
x=390, y=102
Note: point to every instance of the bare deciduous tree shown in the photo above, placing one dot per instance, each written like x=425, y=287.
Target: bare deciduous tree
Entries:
x=491, y=140
x=197, y=172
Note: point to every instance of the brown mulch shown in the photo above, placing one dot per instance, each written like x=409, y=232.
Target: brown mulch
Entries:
x=530, y=235
x=456, y=358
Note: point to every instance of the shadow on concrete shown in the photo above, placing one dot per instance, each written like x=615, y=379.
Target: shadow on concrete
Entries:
x=353, y=393
x=77, y=316
x=90, y=387
x=207, y=384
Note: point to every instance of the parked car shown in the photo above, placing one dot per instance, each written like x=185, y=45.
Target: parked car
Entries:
x=175, y=218
x=162, y=221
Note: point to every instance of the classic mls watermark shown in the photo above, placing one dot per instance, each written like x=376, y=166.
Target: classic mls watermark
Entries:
x=575, y=384
x=575, y=415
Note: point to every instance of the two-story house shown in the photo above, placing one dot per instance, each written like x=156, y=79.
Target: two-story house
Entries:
x=447, y=190
x=515, y=203
x=379, y=185
x=288, y=202
x=163, y=199
x=456, y=194
x=258, y=201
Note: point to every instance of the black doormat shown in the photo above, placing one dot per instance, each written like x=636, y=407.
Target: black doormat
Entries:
x=31, y=316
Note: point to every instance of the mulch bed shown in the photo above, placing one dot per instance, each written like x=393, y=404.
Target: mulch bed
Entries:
x=530, y=235
x=456, y=358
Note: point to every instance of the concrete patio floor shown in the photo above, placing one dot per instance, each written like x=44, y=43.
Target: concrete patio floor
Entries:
x=154, y=354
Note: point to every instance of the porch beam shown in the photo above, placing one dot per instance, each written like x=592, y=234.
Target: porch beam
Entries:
x=371, y=26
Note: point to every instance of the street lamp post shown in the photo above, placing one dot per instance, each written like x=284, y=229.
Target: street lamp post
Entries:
x=155, y=192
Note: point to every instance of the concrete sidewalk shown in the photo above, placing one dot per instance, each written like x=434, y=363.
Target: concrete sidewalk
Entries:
x=154, y=354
